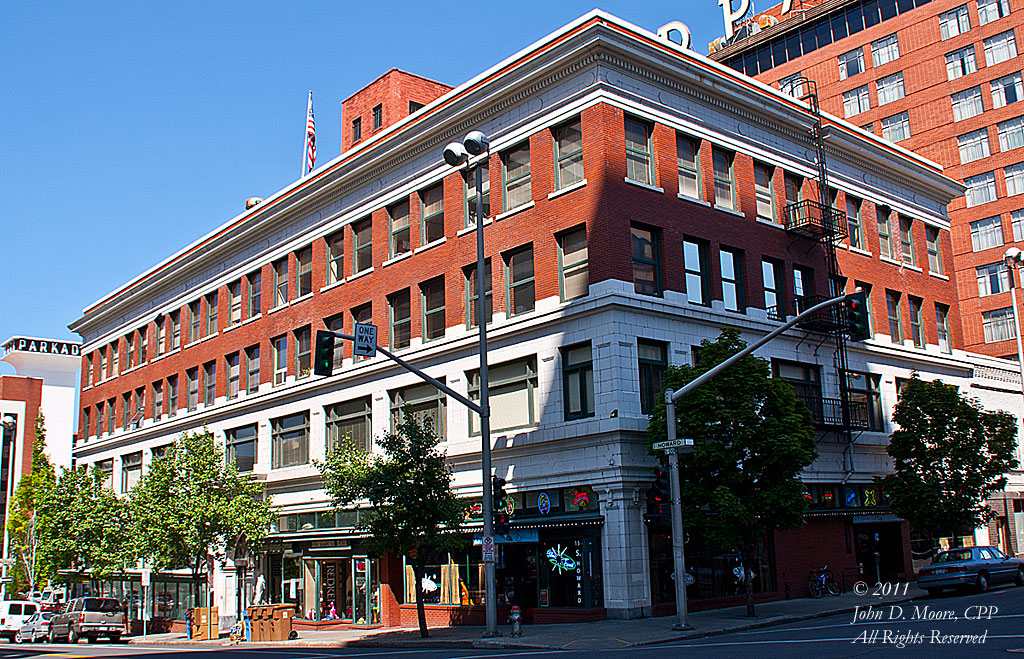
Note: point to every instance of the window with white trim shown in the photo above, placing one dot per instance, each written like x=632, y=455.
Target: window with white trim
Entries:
x=1006, y=90
x=1011, y=134
x=512, y=392
x=303, y=352
x=432, y=214
x=688, y=158
x=953, y=22
x=967, y=104
x=574, y=277
x=998, y=325
x=851, y=63
x=896, y=127
x=885, y=50
x=856, y=101
x=280, y=357
x=335, y=257
x=973, y=146
x=980, y=188
x=304, y=271
x=793, y=84
x=233, y=373
x=516, y=189
x=890, y=88
x=992, y=10
x=398, y=222
x=1014, y=179
x=362, y=245
x=961, y=62
x=884, y=216
x=280, y=282
x=764, y=190
x=942, y=327
x=1017, y=219
x=932, y=238
x=1000, y=47
x=568, y=156
x=725, y=183
x=993, y=278
x=986, y=233
x=639, y=152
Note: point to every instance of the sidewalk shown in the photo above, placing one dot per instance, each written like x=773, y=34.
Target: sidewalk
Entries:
x=604, y=634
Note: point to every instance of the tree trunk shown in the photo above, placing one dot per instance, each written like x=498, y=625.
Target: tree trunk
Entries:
x=421, y=614
x=748, y=582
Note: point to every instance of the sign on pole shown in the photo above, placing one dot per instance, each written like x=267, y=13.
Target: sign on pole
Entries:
x=671, y=443
x=488, y=548
x=147, y=578
x=366, y=340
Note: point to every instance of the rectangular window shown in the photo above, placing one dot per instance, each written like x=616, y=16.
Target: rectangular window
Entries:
x=1017, y=219
x=793, y=84
x=568, y=141
x=991, y=10
x=993, y=278
x=896, y=127
x=856, y=101
x=211, y=314
x=398, y=219
x=980, y=189
x=86, y=424
x=854, y=224
x=240, y=447
x=998, y=325
x=731, y=263
x=129, y=352
x=885, y=50
x=725, y=188
x=967, y=104
x=193, y=389
x=688, y=158
x=432, y=214
x=1011, y=134
x=172, y=395
x=987, y=233
x=362, y=245
x=469, y=194
x=432, y=305
x=289, y=437
x=469, y=274
x=1006, y=90
x=400, y=317
x=884, y=216
x=961, y=62
x=892, y=302
x=573, y=264
x=193, y=322
x=158, y=401
x=280, y=357
x=578, y=381
x=851, y=63
x=907, y=241
x=803, y=282
x=652, y=364
x=1014, y=175
x=281, y=282
x=99, y=420
x=916, y=321
x=973, y=146
x=357, y=129
x=252, y=369
x=304, y=272
x=131, y=471
x=639, y=152
x=890, y=88
x=103, y=364
x=232, y=364
x=235, y=297
x=111, y=409
x=512, y=388
x=934, y=250
x=88, y=370
x=335, y=257
x=126, y=410
x=954, y=22
x=521, y=293
x=209, y=383
x=337, y=324
x=255, y=284
x=695, y=264
x=426, y=404
x=106, y=468
x=515, y=174
x=942, y=325
x=161, y=335
x=378, y=116
x=774, y=296
x=646, y=260
x=303, y=352
x=1000, y=48
x=362, y=314
x=866, y=399
x=115, y=355
x=348, y=424
x=764, y=190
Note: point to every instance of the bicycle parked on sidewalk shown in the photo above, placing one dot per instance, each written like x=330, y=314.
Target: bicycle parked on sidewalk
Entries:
x=823, y=580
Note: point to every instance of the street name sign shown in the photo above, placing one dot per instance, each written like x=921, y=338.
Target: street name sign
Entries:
x=366, y=340
x=671, y=443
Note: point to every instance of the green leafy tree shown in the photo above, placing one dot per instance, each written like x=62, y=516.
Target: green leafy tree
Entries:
x=752, y=439
x=949, y=455
x=191, y=503
x=22, y=518
x=81, y=523
x=412, y=508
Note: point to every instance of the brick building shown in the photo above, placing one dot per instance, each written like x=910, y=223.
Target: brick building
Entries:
x=638, y=196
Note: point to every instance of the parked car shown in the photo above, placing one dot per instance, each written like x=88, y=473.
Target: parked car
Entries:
x=36, y=628
x=966, y=567
x=13, y=614
x=88, y=617
x=52, y=599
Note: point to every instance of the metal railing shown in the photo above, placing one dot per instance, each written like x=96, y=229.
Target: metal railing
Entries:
x=814, y=219
x=824, y=320
x=828, y=412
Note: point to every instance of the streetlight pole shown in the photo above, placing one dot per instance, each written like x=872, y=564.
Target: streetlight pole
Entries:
x=457, y=154
x=1013, y=259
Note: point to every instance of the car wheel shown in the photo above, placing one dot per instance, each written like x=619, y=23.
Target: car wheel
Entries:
x=73, y=636
x=51, y=637
x=982, y=583
x=115, y=638
x=91, y=639
x=18, y=638
x=1019, y=580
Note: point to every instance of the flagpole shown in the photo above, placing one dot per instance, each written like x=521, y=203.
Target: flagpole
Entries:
x=305, y=136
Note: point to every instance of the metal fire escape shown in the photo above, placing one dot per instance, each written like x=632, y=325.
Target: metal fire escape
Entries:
x=818, y=220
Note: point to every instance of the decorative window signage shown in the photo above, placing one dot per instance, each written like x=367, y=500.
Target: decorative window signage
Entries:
x=543, y=503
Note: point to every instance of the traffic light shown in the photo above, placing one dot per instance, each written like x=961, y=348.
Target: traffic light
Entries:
x=499, y=525
x=658, y=499
x=858, y=324
x=323, y=355
x=498, y=493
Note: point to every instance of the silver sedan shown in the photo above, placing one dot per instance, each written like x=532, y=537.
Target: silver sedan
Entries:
x=977, y=567
x=36, y=628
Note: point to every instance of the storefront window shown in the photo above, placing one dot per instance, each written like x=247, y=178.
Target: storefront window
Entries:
x=713, y=572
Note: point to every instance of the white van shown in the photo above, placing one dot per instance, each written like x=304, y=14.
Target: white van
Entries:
x=13, y=614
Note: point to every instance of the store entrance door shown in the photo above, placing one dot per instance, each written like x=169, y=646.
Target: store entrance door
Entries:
x=349, y=590
x=879, y=550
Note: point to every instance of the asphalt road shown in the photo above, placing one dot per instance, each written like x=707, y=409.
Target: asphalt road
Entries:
x=975, y=625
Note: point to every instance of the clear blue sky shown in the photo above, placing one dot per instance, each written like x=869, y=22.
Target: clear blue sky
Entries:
x=130, y=129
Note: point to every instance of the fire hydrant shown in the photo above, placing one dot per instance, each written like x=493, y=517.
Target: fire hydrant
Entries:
x=516, y=619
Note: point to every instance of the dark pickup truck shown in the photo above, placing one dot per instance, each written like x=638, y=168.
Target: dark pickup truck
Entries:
x=89, y=617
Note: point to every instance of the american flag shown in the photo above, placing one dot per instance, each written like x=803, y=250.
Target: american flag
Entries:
x=310, y=151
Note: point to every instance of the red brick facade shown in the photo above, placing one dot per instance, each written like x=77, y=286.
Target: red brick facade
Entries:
x=30, y=392
x=393, y=92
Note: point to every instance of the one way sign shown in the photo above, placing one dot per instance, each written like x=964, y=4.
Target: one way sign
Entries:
x=366, y=340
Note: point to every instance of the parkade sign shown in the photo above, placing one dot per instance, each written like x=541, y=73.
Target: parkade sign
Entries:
x=44, y=346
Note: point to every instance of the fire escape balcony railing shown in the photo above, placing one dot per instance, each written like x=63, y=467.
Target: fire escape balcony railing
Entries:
x=814, y=219
x=825, y=320
x=828, y=412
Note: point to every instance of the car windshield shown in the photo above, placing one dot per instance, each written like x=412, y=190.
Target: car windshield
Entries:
x=954, y=555
x=102, y=605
